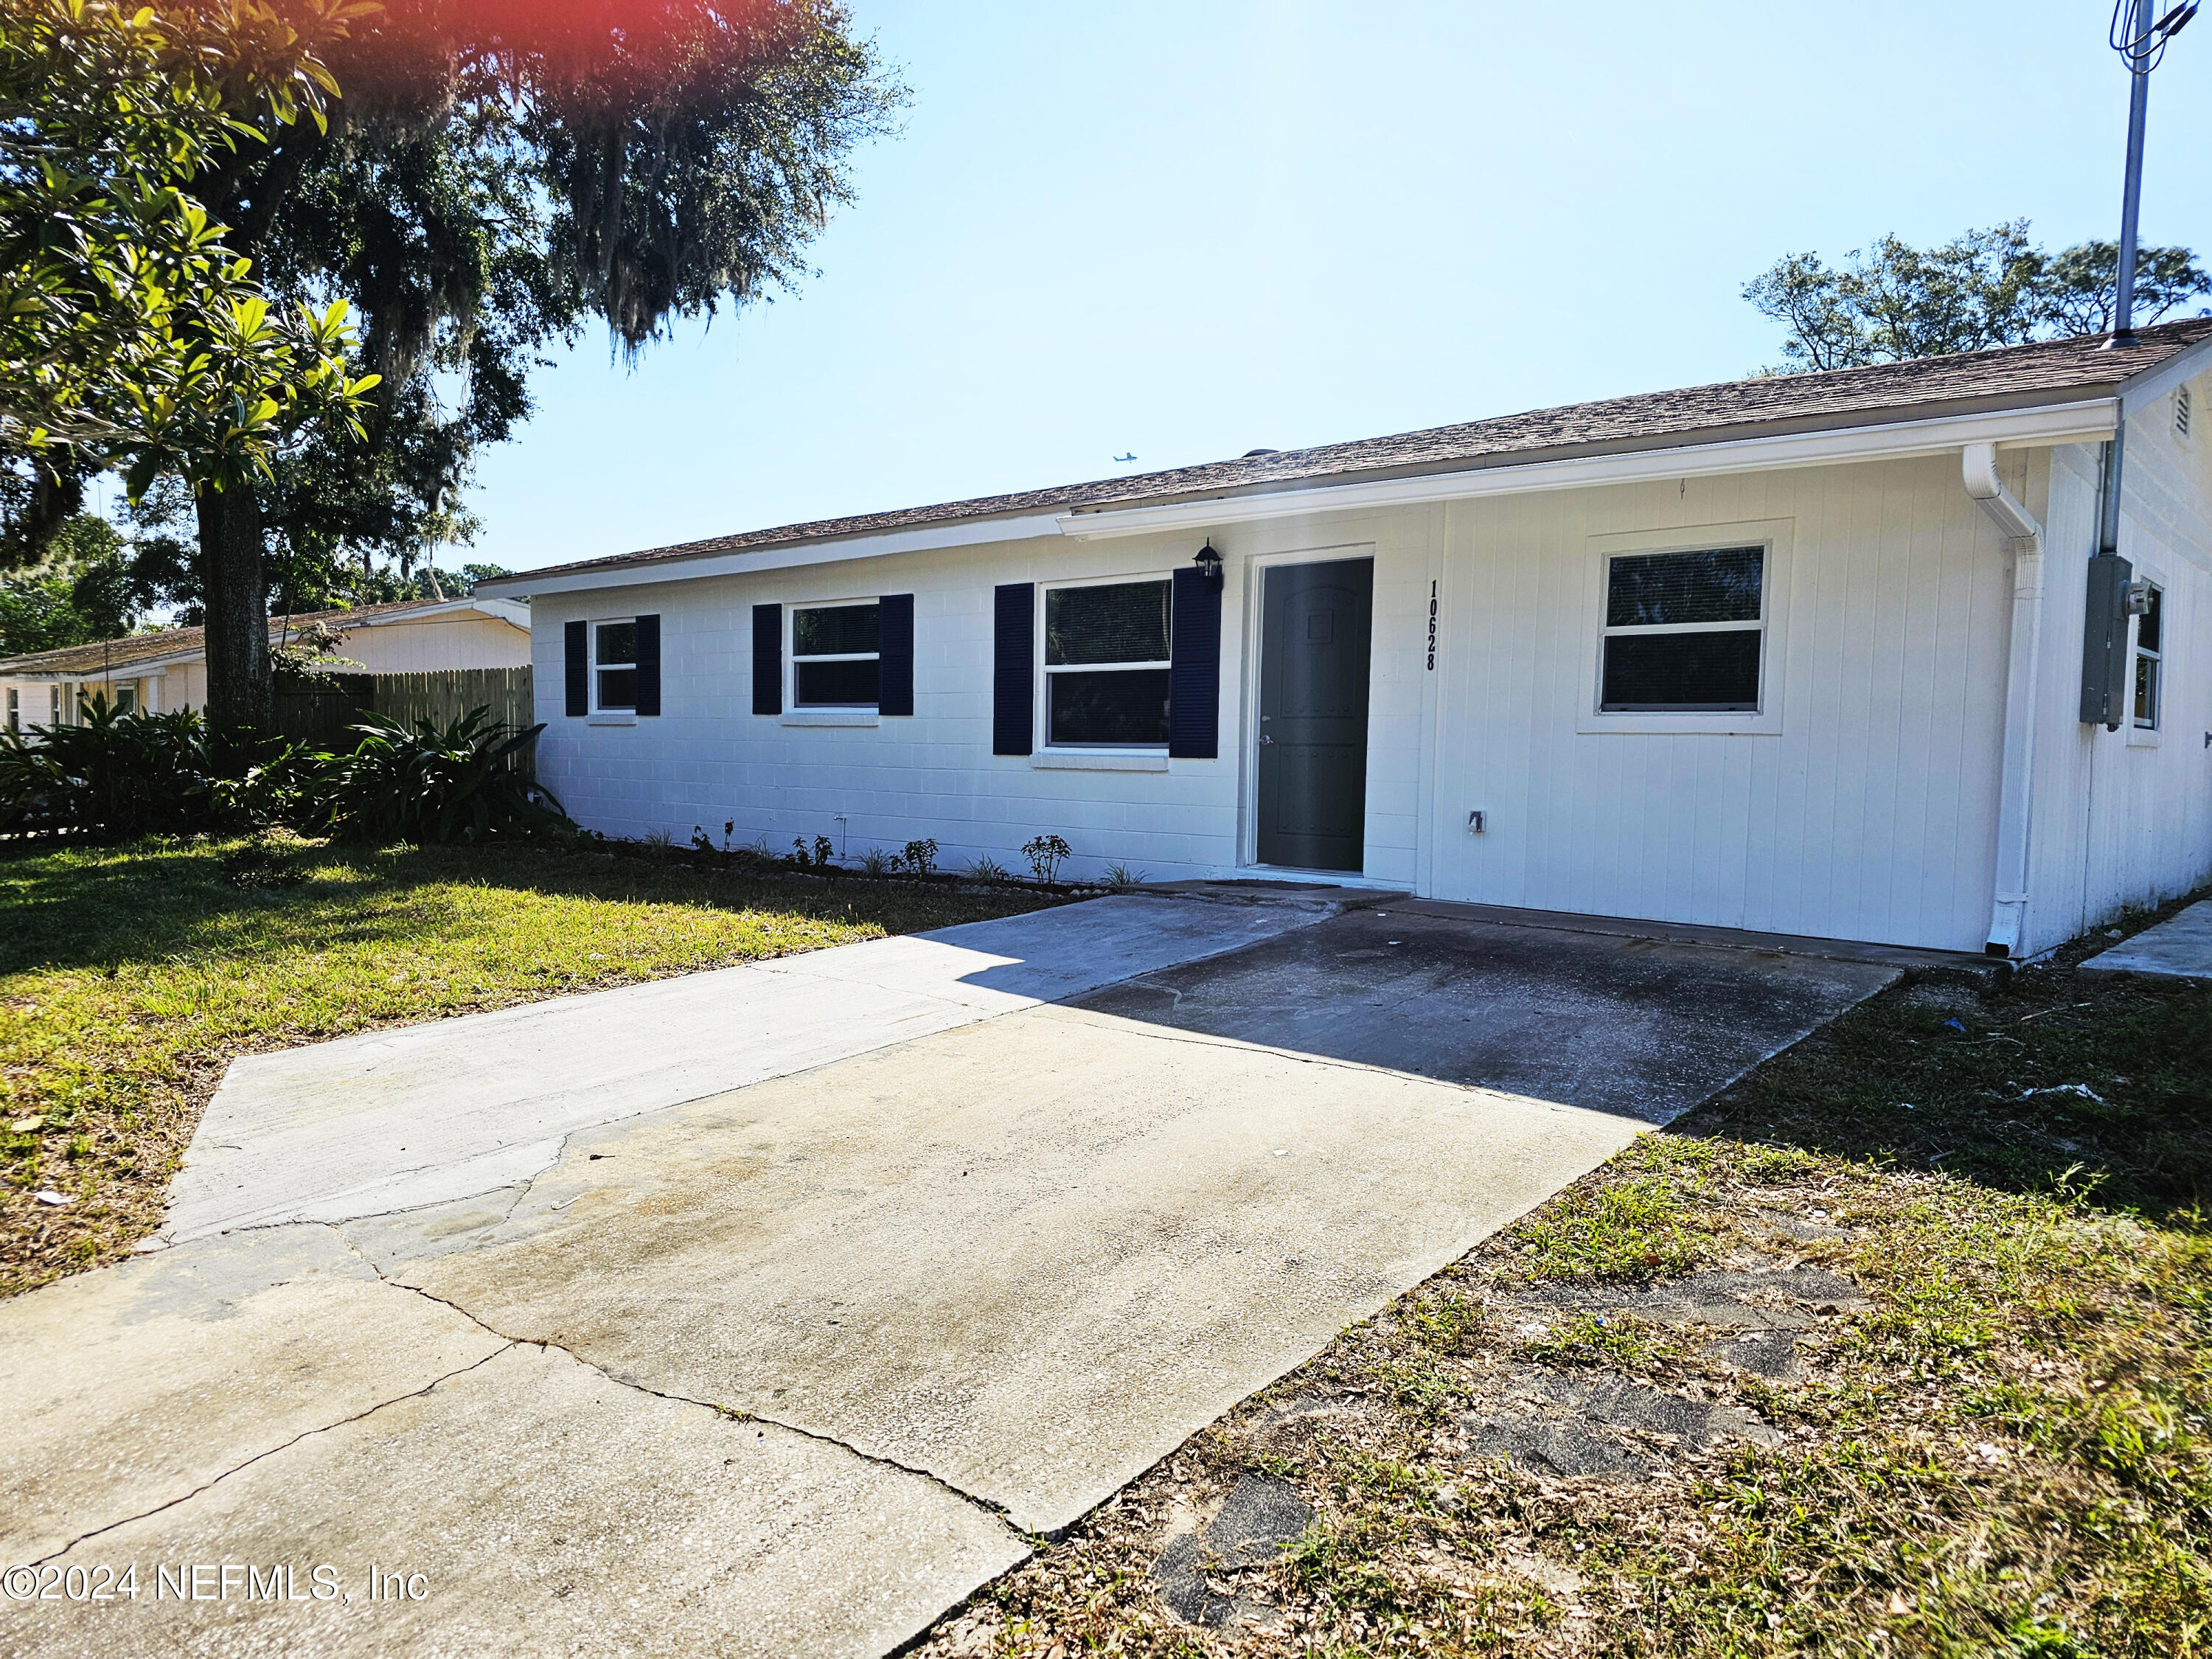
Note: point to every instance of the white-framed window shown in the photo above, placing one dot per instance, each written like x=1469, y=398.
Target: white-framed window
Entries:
x=614, y=666
x=836, y=659
x=59, y=703
x=1684, y=632
x=1106, y=662
x=15, y=708
x=125, y=697
x=2150, y=632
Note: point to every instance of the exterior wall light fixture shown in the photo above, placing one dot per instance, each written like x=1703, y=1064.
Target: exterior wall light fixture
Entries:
x=1209, y=566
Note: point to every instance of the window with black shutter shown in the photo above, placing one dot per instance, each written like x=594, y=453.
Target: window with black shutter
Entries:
x=1108, y=663
x=835, y=655
x=614, y=666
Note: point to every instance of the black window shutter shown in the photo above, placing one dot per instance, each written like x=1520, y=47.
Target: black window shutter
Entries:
x=1194, y=670
x=767, y=659
x=574, y=639
x=648, y=664
x=895, y=651
x=1013, y=668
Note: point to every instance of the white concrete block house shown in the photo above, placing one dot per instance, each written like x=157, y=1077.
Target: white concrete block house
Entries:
x=1806, y=654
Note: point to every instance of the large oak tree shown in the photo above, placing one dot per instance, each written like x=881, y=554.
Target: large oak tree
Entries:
x=495, y=172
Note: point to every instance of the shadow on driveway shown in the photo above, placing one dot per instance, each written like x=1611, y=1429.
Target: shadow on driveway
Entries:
x=1641, y=1026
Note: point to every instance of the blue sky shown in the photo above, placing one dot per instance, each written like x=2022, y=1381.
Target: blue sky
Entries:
x=1189, y=230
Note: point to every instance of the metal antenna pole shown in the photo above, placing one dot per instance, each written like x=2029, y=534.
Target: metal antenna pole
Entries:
x=2136, y=50
x=2139, y=67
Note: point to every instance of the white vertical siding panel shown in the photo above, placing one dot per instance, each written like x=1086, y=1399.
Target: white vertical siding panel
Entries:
x=1869, y=813
x=2121, y=822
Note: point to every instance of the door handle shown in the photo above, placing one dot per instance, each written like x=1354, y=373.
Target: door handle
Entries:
x=1264, y=737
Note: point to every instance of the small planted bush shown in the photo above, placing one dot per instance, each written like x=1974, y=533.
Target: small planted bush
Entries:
x=919, y=857
x=1046, y=854
x=820, y=856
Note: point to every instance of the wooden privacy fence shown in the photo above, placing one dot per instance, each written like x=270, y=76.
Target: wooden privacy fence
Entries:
x=321, y=717
x=318, y=718
x=447, y=695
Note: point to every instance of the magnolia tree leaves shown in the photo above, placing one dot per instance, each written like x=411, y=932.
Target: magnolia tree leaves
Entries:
x=130, y=335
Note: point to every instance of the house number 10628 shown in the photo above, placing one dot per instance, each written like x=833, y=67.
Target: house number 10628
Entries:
x=1432, y=626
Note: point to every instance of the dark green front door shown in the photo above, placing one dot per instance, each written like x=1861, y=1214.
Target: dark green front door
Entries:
x=1314, y=627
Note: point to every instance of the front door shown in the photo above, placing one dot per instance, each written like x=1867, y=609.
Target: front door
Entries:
x=1314, y=626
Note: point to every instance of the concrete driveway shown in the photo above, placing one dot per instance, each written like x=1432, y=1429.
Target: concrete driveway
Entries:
x=766, y=1311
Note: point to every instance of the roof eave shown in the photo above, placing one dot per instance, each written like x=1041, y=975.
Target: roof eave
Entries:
x=1764, y=447
x=512, y=612
x=1701, y=438
x=2007, y=419
x=132, y=668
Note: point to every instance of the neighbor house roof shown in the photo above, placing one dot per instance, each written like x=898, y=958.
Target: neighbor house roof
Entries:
x=107, y=658
x=1772, y=405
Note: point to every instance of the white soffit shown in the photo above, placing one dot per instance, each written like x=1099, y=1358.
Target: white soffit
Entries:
x=959, y=532
x=2086, y=421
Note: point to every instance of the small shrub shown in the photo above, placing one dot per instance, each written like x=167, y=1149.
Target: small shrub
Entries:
x=1046, y=854
x=920, y=856
x=820, y=856
x=657, y=841
x=878, y=863
x=990, y=872
x=1119, y=877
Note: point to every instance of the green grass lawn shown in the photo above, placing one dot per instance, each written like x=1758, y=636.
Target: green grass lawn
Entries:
x=129, y=977
x=2004, y=1449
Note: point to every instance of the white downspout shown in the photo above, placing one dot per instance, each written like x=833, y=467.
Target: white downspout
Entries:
x=2024, y=536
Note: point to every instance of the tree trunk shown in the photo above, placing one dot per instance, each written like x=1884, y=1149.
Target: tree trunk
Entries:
x=238, y=690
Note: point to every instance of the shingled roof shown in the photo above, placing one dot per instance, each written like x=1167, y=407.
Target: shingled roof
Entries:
x=1922, y=388
x=107, y=657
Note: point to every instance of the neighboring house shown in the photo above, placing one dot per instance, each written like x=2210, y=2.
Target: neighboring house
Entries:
x=1802, y=655
x=168, y=669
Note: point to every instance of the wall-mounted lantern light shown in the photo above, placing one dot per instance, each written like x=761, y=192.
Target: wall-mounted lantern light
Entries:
x=1209, y=566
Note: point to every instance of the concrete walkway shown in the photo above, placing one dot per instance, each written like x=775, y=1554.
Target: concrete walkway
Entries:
x=2180, y=947
x=767, y=1311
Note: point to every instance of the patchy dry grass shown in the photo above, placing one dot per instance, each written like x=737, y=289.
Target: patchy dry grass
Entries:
x=1965, y=1221
x=129, y=977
